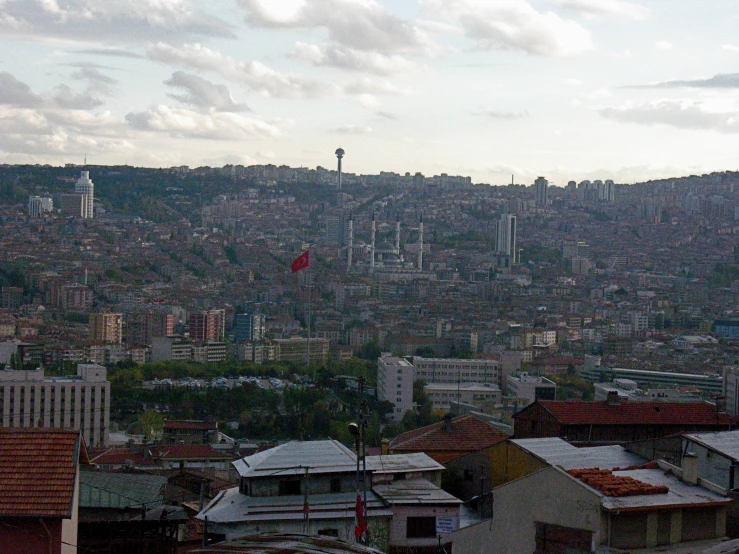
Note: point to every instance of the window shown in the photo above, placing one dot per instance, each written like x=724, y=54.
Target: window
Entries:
x=289, y=487
x=420, y=528
x=335, y=485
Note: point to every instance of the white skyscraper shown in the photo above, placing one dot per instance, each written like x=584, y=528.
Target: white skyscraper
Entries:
x=506, y=243
x=85, y=186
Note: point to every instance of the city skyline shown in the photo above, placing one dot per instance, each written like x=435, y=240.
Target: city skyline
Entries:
x=568, y=89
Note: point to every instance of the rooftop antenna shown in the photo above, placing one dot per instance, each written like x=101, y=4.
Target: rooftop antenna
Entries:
x=85, y=158
x=511, y=179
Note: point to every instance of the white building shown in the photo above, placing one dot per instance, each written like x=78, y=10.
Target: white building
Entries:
x=37, y=205
x=530, y=387
x=457, y=371
x=506, y=243
x=442, y=394
x=86, y=187
x=628, y=390
x=395, y=378
x=82, y=401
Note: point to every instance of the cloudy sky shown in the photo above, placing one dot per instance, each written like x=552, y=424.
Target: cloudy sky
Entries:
x=569, y=89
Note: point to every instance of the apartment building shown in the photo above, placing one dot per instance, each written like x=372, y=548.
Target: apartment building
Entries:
x=82, y=401
x=142, y=327
x=454, y=370
x=395, y=378
x=106, y=327
x=208, y=325
x=443, y=394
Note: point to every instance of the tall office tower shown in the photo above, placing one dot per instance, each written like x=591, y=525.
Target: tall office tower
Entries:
x=74, y=204
x=86, y=187
x=350, y=244
x=372, y=243
x=82, y=401
x=249, y=327
x=143, y=327
x=420, y=243
x=540, y=188
x=335, y=228
x=339, y=155
x=506, y=243
x=34, y=206
x=106, y=327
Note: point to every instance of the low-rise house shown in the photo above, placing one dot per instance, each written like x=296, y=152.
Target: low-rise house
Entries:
x=189, y=432
x=312, y=488
x=39, y=490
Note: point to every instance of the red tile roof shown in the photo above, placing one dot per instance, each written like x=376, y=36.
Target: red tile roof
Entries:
x=635, y=413
x=38, y=470
x=615, y=485
x=119, y=456
x=189, y=452
x=467, y=434
x=190, y=425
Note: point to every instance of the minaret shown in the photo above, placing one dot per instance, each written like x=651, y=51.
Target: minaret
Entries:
x=350, y=246
x=397, y=235
x=86, y=187
x=372, y=244
x=420, y=244
x=339, y=155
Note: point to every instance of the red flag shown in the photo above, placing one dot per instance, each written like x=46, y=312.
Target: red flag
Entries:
x=301, y=262
x=360, y=525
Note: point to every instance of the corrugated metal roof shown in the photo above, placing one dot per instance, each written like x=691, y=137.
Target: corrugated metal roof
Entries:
x=120, y=490
x=414, y=491
x=401, y=463
x=725, y=442
x=326, y=456
x=287, y=544
x=558, y=452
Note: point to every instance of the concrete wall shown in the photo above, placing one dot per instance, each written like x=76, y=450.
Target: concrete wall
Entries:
x=548, y=496
x=401, y=513
x=509, y=462
x=711, y=466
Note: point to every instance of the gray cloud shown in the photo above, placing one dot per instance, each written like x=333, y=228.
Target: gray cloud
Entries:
x=387, y=115
x=66, y=98
x=674, y=114
x=350, y=59
x=128, y=22
x=352, y=130
x=15, y=92
x=114, y=52
x=202, y=93
x=723, y=80
x=359, y=25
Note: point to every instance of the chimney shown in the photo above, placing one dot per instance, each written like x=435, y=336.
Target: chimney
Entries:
x=613, y=399
x=385, y=447
x=448, y=422
x=690, y=468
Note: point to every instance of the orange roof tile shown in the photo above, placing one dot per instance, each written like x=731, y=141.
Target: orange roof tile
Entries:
x=467, y=434
x=615, y=485
x=38, y=470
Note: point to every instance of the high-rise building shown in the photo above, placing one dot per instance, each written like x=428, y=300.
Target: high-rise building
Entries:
x=86, y=188
x=37, y=205
x=106, y=327
x=209, y=325
x=541, y=186
x=74, y=204
x=142, y=327
x=395, y=378
x=506, y=243
x=335, y=228
x=82, y=401
x=249, y=326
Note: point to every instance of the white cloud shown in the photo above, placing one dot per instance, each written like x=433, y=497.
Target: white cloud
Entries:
x=97, y=20
x=497, y=114
x=617, y=8
x=358, y=24
x=183, y=122
x=731, y=48
x=352, y=130
x=350, y=59
x=202, y=93
x=663, y=45
x=366, y=85
x=514, y=25
x=682, y=115
x=253, y=74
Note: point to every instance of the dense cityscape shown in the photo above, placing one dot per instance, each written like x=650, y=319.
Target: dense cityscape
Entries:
x=204, y=328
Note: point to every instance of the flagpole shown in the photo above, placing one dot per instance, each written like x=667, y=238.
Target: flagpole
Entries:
x=309, y=317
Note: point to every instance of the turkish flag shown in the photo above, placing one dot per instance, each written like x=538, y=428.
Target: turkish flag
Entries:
x=301, y=262
x=360, y=523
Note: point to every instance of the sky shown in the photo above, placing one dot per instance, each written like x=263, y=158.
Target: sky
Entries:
x=493, y=89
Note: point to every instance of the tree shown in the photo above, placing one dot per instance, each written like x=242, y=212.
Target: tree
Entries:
x=150, y=423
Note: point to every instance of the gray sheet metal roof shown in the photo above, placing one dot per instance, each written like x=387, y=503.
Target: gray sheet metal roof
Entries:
x=287, y=544
x=558, y=452
x=232, y=506
x=680, y=493
x=401, y=463
x=414, y=491
x=724, y=442
x=327, y=456
x=120, y=490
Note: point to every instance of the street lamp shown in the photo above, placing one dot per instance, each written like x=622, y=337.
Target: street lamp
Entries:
x=359, y=430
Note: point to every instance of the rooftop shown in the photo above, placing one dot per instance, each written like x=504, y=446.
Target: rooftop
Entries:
x=414, y=491
x=120, y=490
x=38, y=470
x=292, y=458
x=725, y=442
x=558, y=452
x=287, y=544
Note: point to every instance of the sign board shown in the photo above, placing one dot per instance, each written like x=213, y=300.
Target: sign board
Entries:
x=445, y=525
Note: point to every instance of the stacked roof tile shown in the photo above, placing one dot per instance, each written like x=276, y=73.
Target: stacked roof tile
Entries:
x=615, y=485
x=38, y=470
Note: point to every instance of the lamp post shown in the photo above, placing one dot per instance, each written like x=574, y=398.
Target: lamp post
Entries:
x=359, y=430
